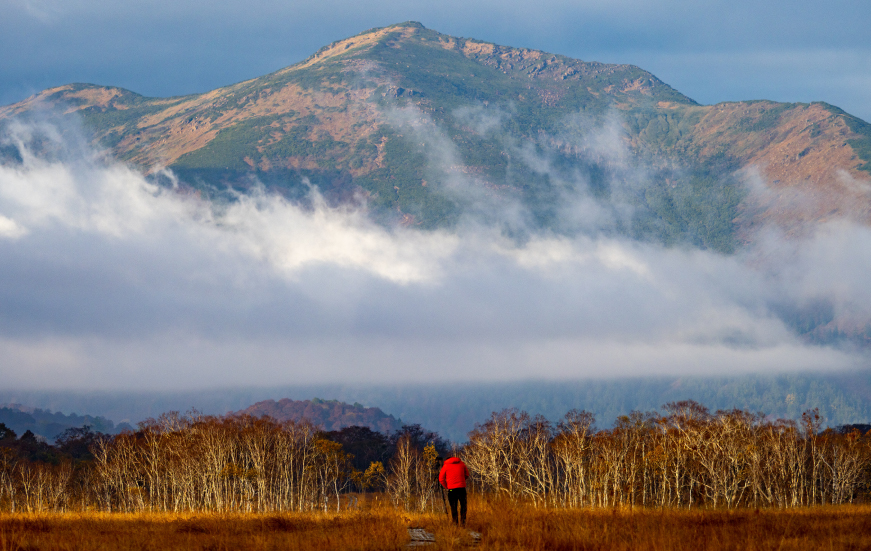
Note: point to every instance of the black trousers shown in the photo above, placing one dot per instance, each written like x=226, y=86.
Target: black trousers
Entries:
x=458, y=495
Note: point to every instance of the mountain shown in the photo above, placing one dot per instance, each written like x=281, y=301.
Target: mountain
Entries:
x=425, y=127
x=330, y=415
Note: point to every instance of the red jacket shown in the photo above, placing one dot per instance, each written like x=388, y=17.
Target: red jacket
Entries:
x=453, y=474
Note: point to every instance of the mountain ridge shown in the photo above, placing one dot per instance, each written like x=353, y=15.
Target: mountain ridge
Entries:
x=334, y=119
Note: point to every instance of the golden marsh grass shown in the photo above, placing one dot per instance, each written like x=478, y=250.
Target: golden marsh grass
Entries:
x=503, y=526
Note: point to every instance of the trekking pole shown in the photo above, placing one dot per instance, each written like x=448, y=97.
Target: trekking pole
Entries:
x=442, y=489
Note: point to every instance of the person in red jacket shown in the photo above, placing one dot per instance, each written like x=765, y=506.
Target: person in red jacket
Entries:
x=453, y=477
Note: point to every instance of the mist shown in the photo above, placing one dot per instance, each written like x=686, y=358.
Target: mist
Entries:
x=113, y=282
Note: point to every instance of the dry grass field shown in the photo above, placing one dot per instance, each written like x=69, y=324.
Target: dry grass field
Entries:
x=502, y=525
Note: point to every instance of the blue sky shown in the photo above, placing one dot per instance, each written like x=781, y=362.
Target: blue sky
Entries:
x=784, y=50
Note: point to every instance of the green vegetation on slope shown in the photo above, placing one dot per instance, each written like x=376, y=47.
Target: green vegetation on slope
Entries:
x=699, y=211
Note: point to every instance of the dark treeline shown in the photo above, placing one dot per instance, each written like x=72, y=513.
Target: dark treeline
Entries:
x=683, y=457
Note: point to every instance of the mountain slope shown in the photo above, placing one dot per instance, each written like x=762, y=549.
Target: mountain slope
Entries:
x=405, y=116
x=326, y=414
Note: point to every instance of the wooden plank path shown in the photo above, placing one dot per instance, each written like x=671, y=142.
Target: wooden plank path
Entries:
x=420, y=537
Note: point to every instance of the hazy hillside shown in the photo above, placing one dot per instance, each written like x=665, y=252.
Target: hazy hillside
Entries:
x=331, y=415
x=453, y=409
x=425, y=127
x=48, y=424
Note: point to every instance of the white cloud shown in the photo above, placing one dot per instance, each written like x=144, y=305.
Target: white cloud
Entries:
x=10, y=229
x=119, y=283
x=290, y=238
x=115, y=202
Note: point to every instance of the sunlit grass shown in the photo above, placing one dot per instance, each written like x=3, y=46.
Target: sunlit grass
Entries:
x=507, y=526
x=102, y=531
x=502, y=525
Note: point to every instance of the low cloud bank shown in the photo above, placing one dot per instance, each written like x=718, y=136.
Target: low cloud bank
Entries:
x=110, y=281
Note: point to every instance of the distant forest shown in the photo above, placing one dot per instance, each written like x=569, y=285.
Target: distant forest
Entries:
x=452, y=409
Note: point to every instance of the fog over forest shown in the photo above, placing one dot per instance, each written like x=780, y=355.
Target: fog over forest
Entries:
x=453, y=409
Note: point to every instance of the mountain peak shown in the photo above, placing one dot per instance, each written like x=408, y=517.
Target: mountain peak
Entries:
x=412, y=24
x=355, y=43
